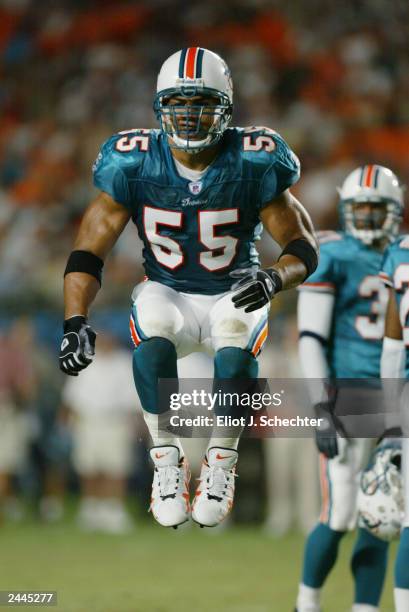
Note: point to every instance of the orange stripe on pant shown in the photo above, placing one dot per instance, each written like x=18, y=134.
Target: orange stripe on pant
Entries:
x=260, y=340
x=136, y=339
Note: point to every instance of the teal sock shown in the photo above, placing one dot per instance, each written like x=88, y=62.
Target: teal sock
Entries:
x=402, y=561
x=320, y=554
x=368, y=565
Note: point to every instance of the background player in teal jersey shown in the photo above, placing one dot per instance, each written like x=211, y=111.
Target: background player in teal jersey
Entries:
x=198, y=193
x=395, y=364
x=341, y=321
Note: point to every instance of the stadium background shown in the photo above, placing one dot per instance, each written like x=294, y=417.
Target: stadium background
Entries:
x=333, y=79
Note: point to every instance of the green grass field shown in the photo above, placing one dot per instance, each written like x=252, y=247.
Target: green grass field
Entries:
x=161, y=570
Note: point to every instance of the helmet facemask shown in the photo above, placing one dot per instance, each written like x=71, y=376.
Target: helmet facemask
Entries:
x=371, y=204
x=379, y=224
x=193, y=127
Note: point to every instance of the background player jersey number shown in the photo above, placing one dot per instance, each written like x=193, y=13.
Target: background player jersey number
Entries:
x=401, y=284
x=371, y=327
x=168, y=252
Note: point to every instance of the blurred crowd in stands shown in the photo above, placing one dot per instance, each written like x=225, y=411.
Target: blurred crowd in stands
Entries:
x=332, y=78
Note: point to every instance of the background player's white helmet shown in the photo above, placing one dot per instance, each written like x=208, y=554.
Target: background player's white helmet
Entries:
x=194, y=73
x=380, y=187
x=380, y=498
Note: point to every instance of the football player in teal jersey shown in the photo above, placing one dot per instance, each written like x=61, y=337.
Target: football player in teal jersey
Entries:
x=341, y=312
x=395, y=364
x=199, y=193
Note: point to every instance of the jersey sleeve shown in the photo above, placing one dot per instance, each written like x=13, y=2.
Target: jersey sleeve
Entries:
x=283, y=172
x=327, y=274
x=109, y=176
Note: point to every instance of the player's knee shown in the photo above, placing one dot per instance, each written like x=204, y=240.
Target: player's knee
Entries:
x=343, y=518
x=233, y=362
x=157, y=321
x=230, y=332
x=155, y=352
x=368, y=549
x=153, y=359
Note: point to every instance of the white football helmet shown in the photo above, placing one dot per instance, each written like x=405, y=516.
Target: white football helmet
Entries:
x=376, y=185
x=380, y=498
x=186, y=74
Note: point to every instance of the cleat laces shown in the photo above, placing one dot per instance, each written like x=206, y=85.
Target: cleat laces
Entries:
x=217, y=481
x=168, y=481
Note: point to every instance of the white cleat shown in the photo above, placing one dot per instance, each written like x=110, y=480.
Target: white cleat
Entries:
x=214, y=496
x=170, y=488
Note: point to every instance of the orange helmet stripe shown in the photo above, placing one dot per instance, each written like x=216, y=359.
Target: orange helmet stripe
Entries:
x=191, y=62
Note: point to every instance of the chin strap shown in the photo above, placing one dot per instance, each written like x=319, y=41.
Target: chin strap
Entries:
x=191, y=146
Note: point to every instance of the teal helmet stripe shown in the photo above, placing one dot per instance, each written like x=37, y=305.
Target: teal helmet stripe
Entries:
x=361, y=177
x=376, y=178
x=199, y=63
x=182, y=63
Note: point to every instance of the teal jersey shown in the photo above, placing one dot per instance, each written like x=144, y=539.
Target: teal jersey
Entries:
x=395, y=274
x=350, y=270
x=196, y=232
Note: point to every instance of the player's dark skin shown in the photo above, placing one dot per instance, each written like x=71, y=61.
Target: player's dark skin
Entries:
x=393, y=327
x=284, y=218
x=364, y=212
x=197, y=161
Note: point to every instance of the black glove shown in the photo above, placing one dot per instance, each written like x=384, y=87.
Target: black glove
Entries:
x=77, y=346
x=259, y=287
x=326, y=435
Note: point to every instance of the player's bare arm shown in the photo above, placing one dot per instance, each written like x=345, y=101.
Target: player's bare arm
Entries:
x=286, y=220
x=393, y=327
x=289, y=224
x=101, y=226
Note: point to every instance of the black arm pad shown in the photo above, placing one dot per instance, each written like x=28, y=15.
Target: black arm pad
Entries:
x=302, y=249
x=85, y=261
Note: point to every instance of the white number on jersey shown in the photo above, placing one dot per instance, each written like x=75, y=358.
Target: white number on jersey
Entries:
x=128, y=143
x=208, y=220
x=372, y=327
x=168, y=252
x=262, y=142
